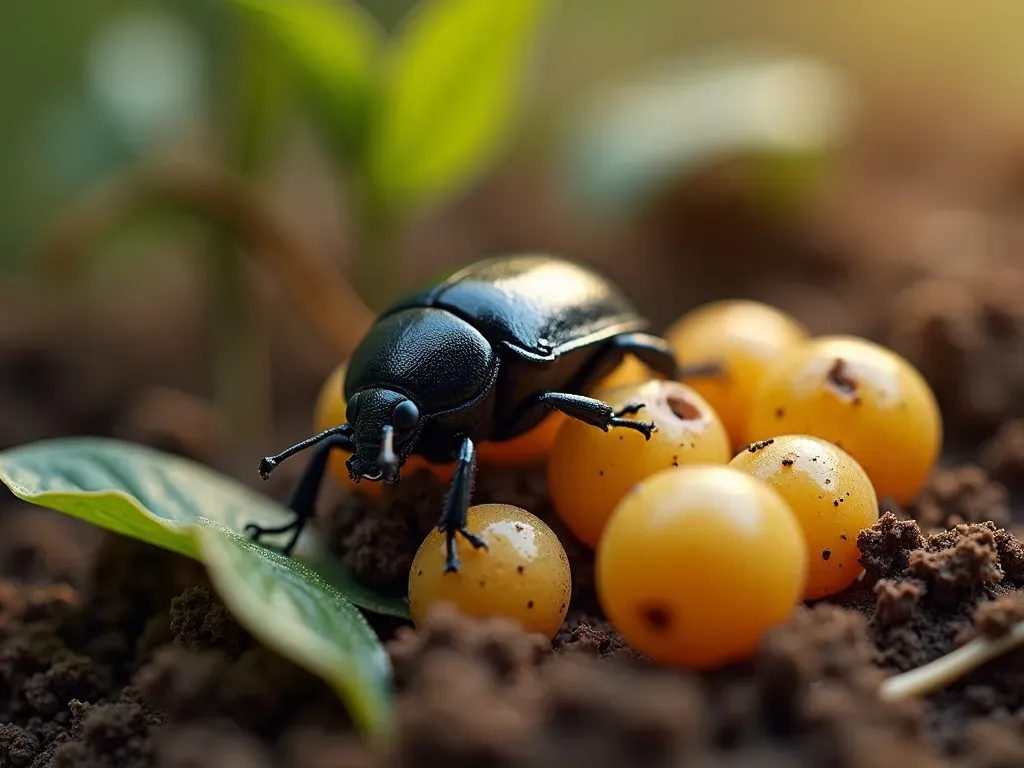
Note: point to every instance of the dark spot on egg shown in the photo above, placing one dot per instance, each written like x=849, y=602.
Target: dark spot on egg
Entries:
x=656, y=617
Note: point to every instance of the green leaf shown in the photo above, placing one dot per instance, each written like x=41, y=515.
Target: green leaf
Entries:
x=778, y=116
x=161, y=499
x=290, y=608
x=305, y=614
x=451, y=88
x=333, y=46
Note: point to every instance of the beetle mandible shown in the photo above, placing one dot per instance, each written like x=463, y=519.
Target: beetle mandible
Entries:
x=482, y=356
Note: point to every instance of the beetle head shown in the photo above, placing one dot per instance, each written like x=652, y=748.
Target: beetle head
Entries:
x=386, y=426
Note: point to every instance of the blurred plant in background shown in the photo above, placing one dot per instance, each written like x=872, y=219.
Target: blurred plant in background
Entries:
x=412, y=118
x=408, y=119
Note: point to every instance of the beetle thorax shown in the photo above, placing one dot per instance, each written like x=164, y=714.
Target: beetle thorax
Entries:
x=434, y=358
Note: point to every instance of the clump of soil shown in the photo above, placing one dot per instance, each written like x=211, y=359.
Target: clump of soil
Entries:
x=1003, y=455
x=932, y=594
x=807, y=699
x=994, y=619
x=966, y=336
x=963, y=494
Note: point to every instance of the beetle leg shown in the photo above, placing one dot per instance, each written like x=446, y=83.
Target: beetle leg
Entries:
x=630, y=410
x=269, y=463
x=655, y=353
x=303, y=500
x=453, y=519
x=652, y=351
x=596, y=412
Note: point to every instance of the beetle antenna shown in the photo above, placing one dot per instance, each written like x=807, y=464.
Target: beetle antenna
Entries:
x=387, y=459
x=269, y=463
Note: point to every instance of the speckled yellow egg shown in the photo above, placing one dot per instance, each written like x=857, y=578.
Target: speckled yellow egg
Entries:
x=523, y=574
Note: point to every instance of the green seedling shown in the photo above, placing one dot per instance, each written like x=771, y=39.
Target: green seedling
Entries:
x=304, y=607
x=413, y=118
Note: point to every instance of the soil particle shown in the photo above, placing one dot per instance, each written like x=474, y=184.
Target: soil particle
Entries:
x=41, y=675
x=218, y=743
x=18, y=747
x=993, y=744
x=199, y=621
x=617, y=716
x=488, y=670
x=964, y=335
x=260, y=691
x=483, y=721
x=896, y=602
x=591, y=636
x=1003, y=455
x=937, y=593
x=311, y=748
x=885, y=547
x=107, y=736
x=378, y=540
x=994, y=618
x=807, y=699
x=963, y=562
x=964, y=494
x=922, y=607
x=499, y=645
x=130, y=583
x=990, y=694
x=68, y=676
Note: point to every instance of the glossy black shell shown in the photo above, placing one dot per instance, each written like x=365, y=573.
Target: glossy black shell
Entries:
x=540, y=306
x=477, y=345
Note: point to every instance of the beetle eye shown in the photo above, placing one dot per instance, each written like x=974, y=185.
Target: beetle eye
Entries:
x=406, y=416
x=352, y=410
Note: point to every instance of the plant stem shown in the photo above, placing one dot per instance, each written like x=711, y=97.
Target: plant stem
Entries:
x=376, y=250
x=242, y=357
x=951, y=667
x=241, y=370
x=318, y=291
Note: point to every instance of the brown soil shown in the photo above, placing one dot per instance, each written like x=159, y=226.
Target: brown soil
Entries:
x=113, y=653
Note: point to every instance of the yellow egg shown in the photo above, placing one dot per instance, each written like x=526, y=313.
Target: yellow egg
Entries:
x=864, y=398
x=589, y=470
x=523, y=574
x=831, y=496
x=698, y=563
x=745, y=338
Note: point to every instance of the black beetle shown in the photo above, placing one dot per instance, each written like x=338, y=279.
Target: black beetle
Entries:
x=483, y=355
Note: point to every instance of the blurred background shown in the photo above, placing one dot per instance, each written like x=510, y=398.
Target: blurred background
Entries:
x=204, y=201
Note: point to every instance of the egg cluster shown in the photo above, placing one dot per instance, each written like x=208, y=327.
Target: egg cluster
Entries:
x=747, y=499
